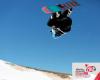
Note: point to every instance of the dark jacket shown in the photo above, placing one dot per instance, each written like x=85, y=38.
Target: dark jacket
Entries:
x=63, y=21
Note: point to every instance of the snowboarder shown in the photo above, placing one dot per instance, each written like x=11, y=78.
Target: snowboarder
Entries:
x=60, y=22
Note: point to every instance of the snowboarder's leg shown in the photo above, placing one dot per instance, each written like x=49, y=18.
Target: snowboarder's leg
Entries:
x=66, y=24
x=56, y=32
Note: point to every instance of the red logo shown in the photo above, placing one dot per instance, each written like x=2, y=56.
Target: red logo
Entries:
x=98, y=76
x=80, y=72
x=90, y=68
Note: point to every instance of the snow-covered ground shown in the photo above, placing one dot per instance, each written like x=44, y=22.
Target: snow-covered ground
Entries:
x=9, y=71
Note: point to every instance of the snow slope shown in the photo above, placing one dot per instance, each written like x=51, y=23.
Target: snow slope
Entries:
x=9, y=71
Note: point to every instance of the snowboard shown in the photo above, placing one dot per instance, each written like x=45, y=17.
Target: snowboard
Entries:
x=60, y=7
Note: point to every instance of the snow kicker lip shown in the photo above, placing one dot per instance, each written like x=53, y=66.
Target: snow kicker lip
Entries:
x=10, y=71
